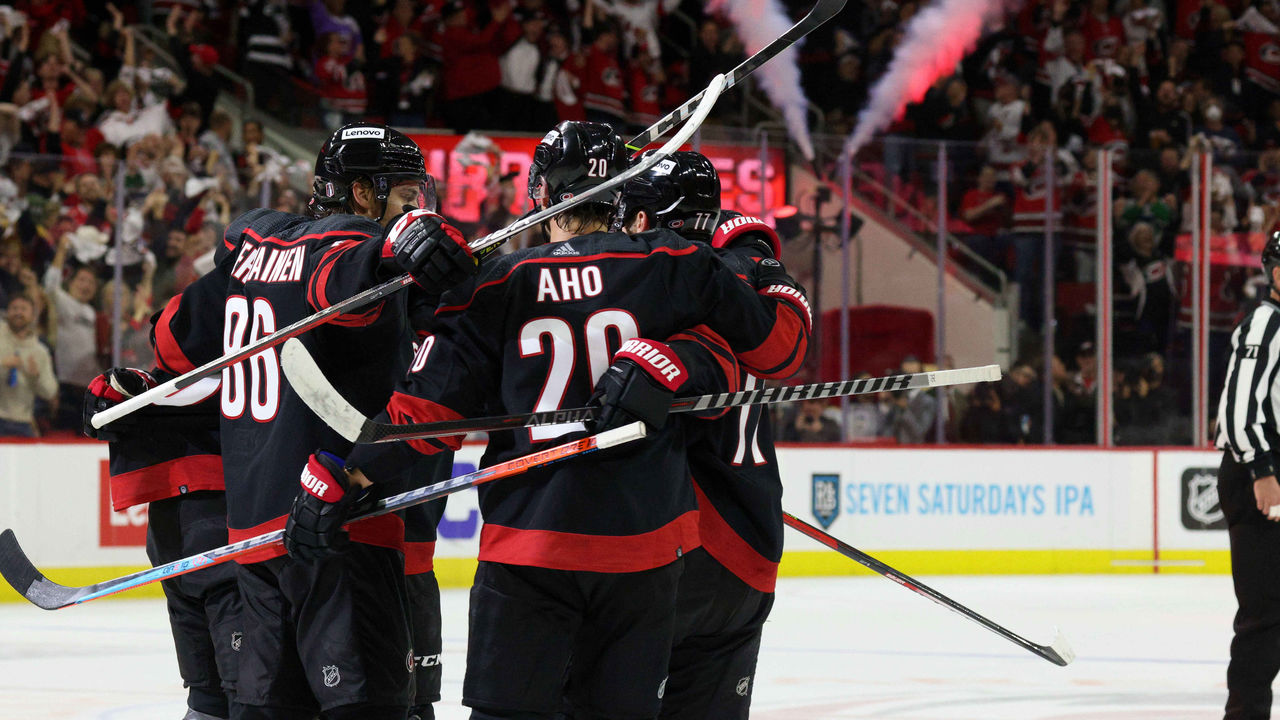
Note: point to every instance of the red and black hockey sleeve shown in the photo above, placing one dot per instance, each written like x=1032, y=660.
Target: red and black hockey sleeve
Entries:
x=768, y=329
x=187, y=332
x=711, y=365
x=348, y=266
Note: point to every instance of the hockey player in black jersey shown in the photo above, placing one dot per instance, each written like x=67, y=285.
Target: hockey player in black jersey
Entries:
x=579, y=562
x=726, y=591
x=169, y=459
x=323, y=632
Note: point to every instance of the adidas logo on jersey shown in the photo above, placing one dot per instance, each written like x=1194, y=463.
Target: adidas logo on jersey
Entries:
x=564, y=250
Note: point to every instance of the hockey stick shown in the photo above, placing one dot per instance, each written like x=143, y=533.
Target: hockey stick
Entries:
x=359, y=300
x=306, y=379
x=822, y=11
x=34, y=586
x=1058, y=652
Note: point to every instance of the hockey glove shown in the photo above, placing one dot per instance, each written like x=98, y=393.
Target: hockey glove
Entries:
x=639, y=385
x=112, y=388
x=738, y=231
x=314, y=529
x=431, y=250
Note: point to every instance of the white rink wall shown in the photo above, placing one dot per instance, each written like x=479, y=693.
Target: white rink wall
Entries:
x=926, y=511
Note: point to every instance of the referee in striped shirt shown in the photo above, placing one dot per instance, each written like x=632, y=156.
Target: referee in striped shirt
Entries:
x=1250, y=497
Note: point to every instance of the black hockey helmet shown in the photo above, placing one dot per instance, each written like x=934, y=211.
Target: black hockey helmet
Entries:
x=573, y=158
x=1271, y=255
x=680, y=193
x=376, y=154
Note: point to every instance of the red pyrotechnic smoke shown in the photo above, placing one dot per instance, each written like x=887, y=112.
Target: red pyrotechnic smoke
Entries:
x=936, y=40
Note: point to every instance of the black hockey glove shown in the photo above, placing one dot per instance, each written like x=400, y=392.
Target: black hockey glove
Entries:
x=431, y=250
x=639, y=385
x=314, y=529
x=112, y=388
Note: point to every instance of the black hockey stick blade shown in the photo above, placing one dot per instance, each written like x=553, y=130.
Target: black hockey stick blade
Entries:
x=822, y=11
x=44, y=593
x=311, y=385
x=19, y=572
x=1057, y=652
x=706, y=100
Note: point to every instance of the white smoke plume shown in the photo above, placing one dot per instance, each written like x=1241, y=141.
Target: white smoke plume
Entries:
x=758, y=23
x=935, y=41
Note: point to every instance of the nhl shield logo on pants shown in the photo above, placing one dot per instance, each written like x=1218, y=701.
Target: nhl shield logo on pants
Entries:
x=744, y=686
x=331, y=676
x=826, y=499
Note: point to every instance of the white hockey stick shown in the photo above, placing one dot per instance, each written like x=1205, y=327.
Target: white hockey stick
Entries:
x=309, y=382
x=374, y=294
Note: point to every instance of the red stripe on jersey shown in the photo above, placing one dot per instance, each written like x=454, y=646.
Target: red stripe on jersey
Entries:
x=303, y=238
x=317, y=289
x=419, y=557
x=169, y=353
x=404, y=408
x=562, y=260
x=726, y=546
x=165, y=480
x=590, y=553
x=782, y=353
x=384, y=531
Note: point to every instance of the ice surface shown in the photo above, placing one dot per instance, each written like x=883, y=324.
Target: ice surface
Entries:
x=1148, y=646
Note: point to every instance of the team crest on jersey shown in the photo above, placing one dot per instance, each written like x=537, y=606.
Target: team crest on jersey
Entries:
x=826, y=499
x=331, y=676
x=408, y=660
x=237, y=638
x=676, y=224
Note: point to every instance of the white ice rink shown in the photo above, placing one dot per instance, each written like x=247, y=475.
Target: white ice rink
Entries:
x=1148, y=647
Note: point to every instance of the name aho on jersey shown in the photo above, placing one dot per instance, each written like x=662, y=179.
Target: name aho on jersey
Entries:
x=569, y=283
x=265, y=264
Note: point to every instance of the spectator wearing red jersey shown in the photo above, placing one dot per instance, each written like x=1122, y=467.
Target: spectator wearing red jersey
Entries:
x=70, y=135
x=986, y=211
x=404, y=17
x=1034, y=209
x=472, y=72
x=604, y=93
x=340, y=83
x=645, y=76
x=566, y=89
x=1103, y=32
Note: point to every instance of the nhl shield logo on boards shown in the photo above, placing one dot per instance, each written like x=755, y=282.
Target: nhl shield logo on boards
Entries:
x=826, y=499
x=331, y=676
x=1200, y=508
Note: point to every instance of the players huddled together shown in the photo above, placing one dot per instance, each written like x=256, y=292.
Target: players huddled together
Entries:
x=630, y=583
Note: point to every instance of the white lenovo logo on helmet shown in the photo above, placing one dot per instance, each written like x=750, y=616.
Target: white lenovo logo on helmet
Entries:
x=364, y=133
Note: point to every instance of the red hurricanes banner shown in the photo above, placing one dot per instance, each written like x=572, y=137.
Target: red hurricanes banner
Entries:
x=465, y=172
x=1262, y=60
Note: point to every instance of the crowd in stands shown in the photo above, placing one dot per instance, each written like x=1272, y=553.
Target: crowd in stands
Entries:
x=109, y=126
x=109, y=161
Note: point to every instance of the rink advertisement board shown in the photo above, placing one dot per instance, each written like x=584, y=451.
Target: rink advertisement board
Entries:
x=1192, y=531
x=992, y=510
x=925, y=511
x=466, y=166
